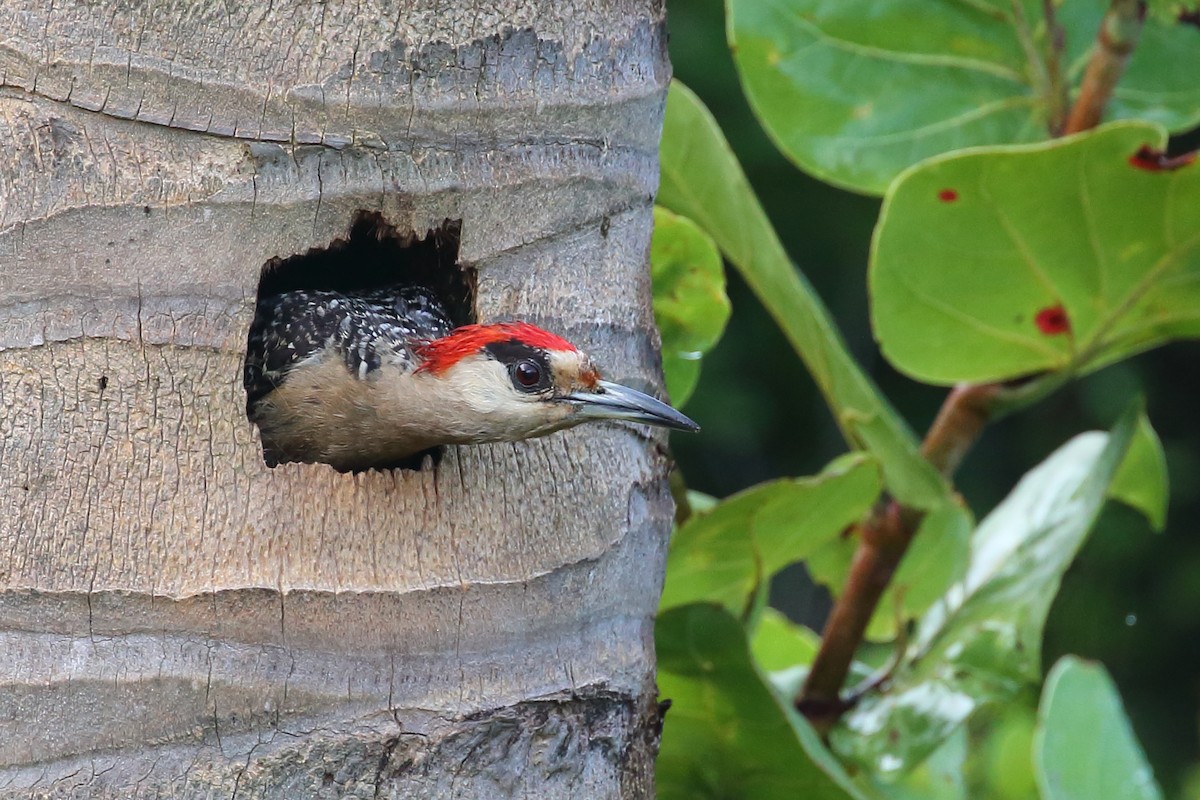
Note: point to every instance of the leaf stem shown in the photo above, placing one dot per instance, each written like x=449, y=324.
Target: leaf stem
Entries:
x=883, y=539
x=1118, y=36
x=885, y=536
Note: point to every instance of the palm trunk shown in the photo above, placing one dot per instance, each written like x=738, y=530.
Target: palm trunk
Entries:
x=177, y=619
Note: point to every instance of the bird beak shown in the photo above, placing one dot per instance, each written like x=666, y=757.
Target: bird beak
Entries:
x=614, y=401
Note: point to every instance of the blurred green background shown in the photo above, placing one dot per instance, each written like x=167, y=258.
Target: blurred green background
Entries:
x=1132, y=599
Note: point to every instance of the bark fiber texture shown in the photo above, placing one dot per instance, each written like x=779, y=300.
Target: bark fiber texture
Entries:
x=176, y=619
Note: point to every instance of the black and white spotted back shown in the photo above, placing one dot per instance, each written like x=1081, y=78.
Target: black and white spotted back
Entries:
x=366, y=329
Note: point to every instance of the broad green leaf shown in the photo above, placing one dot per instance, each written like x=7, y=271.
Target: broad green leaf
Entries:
x=1169, y=10
x=936, y=560
x=1010, y=261
x=701, y=502
x=981, y=643
x=701, y=179
x=778, y=643
x=1002, y=748
x=855, y=91
x=1141, y=482
x=725, y=555
x=690, y=305
x=1084, y=748
x=784, y=651
x=726, y=735
x=939, y=777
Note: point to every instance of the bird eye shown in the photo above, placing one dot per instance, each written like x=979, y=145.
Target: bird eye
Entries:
x=527, y=374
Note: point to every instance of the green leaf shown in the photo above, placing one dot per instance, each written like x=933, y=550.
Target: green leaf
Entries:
x=936, y=560
x=1084, y=748
x=855, y=91
x=1141, y=482
x=1002, y=748
x=778, y=643
x=1169, y=10
x=727, y=736
x=725, y=555
x=1010, y=261
x=982, y=642
x=939, y=777
x=785, y=650
x=701, y=502
x=701, y=179
x=690, y=305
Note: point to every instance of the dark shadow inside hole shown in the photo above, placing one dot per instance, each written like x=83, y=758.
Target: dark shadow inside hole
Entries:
x=374, y=255
x=377, y=255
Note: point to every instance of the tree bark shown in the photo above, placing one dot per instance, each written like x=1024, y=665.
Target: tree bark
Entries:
x=178, y=620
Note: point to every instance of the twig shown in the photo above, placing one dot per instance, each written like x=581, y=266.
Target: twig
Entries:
x=961, y=419
x=883, y=540
x=885, y=673
x=887, y=533
x=1118, y=36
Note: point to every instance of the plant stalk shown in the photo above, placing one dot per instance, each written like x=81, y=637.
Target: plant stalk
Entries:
x=1118, y=36
x=883, y=540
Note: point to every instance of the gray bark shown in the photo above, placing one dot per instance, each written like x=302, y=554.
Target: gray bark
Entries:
x=178, y=620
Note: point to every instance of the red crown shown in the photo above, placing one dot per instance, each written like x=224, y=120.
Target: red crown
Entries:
x=441, y=354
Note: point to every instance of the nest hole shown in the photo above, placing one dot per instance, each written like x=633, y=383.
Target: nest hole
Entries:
x=373, y=255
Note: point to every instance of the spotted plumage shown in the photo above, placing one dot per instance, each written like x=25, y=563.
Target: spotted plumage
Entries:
x=366, y=330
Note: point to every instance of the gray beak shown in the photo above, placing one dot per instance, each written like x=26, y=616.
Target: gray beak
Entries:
x=614, y=401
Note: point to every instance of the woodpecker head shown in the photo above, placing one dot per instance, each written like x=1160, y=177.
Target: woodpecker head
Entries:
x=520, y=381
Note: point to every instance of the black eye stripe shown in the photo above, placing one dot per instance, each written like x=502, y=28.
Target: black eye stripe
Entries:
x=528, y=367
x=512, y=351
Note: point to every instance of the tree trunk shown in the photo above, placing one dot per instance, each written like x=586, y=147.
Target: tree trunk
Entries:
x=179, y=620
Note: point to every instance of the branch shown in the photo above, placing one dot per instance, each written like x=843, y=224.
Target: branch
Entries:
x=1118, y=36
x=883, y=540
x=888, y=532
x=964, y=414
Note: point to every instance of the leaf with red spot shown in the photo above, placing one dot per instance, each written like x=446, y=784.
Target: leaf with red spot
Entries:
x=1063, y=256
x=1053, y=321
x=1152, y=160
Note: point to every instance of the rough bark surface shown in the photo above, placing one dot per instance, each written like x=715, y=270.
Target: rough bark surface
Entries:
x=178, y=620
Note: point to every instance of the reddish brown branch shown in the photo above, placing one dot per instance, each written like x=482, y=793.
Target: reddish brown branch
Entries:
x=1118, y=36
x=883, y=540
x=961, y=419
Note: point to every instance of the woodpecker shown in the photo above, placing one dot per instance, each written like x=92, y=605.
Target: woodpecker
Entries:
x=372, y=379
